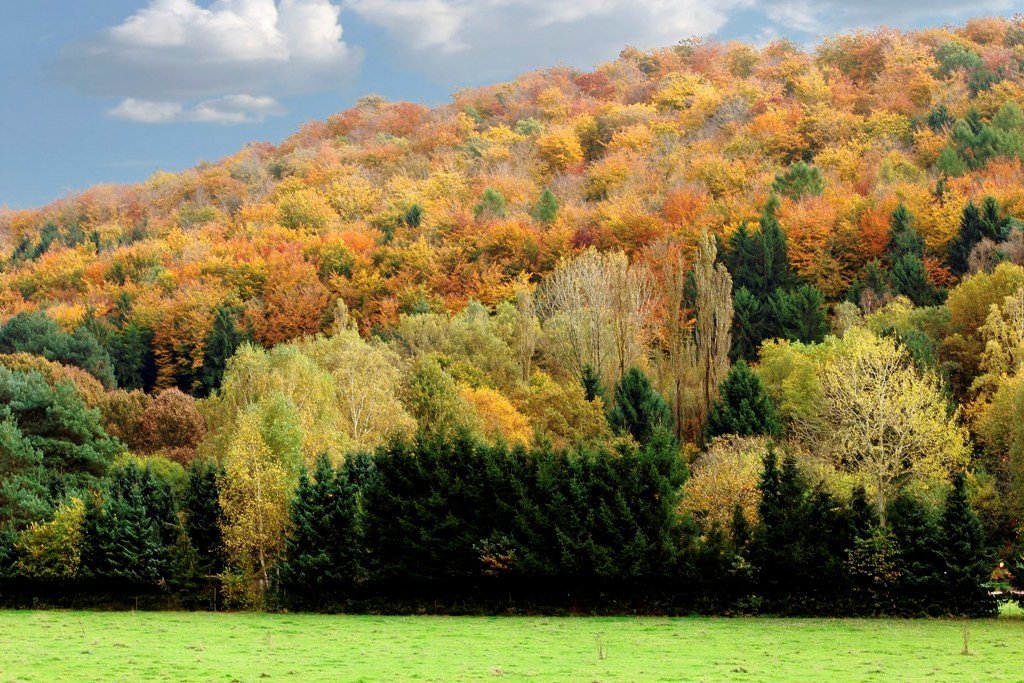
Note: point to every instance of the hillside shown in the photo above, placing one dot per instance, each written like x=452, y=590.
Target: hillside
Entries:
x=387, y=205
x=639, y=278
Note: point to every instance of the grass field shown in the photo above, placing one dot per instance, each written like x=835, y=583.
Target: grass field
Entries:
x=125, y=646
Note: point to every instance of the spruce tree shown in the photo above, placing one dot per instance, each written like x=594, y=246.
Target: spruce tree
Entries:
x=910, y=279
x=920, y=559
x=967, y=560
x=121, y=541
x=743, y=407
x=777, y=545
x=221, y=343
x=320, y=550
x=638, y=409
x=131, y=353
x=773, y=269
x=747, y=325
x=593, y=387
x=903, y=238
x=862, y=513
x=546, y=209
x=971, y=232
x=203, y=516
x=798, y=315
x=741, y=259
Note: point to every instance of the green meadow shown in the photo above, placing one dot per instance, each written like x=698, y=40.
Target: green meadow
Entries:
x=161, y=646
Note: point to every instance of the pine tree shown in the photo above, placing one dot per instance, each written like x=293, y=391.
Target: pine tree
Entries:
x=797, y=314
x=910, y=279
x=637, y=409
x=975, y=225
x=967, y=561
x=320, y=551
x=121, y=540
x=546, y=209
x=203, y=516
x=743, y=407
x=747, y=325
x=920, y=558
x=593, y=387
x=221, y=343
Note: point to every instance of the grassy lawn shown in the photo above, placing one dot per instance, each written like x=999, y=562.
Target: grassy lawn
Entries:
x=86, y=646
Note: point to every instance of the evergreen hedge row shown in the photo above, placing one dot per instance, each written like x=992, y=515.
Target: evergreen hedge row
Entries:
x=458, y=526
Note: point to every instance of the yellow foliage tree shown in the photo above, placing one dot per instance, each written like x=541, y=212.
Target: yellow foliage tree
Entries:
x=253, y=495
x=724, y=477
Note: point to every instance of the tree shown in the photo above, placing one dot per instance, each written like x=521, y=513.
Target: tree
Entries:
x=491, y=205
x=762, y=276
x=637, y=409
x=527, y=331
x=743, y=407
x=920, y=560
x=53, y=550
x=321, y=550
x=967, y=563
x=253, y=492
x=221, y=343
x=124, y=531
x=712, y=330
x=51, y=445
x=724, y=479
x=697, y=330
x=800, y=180
x=882, y=419
x=975, y=225
x=748, y=326
x=546, y=208
x=432, y=397
x=171, y=425
x=131, y=354
x=37, y=334
x=776, y=544
x=593, y=387
x=798, y=314
x=367, y=383
x=287, y=380
x=203, y=515
x=910, y=279
x=595, y=310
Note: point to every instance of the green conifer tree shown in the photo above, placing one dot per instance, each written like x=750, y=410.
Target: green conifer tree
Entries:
x=743, y=407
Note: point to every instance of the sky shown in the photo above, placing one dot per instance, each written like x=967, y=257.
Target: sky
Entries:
x=101, y=91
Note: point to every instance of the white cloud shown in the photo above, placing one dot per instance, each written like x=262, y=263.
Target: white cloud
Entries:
x=178, y=51
x=426, y=24
x=456, y=24
x=472, y=41
x=188, y=60
x=145, y=111
x=231, y=109
x=827, y=16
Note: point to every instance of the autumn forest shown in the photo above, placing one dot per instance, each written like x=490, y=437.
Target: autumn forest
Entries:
x=713, y=327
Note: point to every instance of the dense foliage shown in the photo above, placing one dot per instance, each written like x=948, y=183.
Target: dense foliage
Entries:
x=711, y=327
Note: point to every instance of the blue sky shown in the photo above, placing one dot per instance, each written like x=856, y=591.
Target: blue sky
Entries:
x=95, y=91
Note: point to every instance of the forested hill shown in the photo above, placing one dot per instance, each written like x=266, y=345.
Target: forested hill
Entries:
x=732, y=302
x=396, y=207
